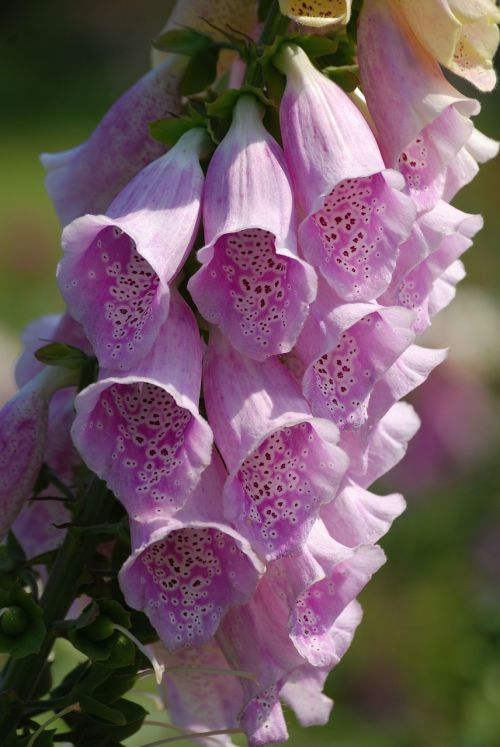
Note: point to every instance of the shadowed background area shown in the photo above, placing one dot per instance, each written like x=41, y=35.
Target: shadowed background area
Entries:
x=424, y=669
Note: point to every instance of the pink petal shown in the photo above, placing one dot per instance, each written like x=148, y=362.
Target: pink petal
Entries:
x=282, y=462
x=120, y=265
x=252, y=283
x=88, y=177
x=142, y=431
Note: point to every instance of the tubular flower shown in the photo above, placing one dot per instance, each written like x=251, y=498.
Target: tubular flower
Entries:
x=317, y=13
x=187, y=571
x=125, y=260
x=344, y=350
x=87, y=178
x=422, y=121
x=23, y=435
x=141, y=431
x=252, y=284
x=414, y=285
x=462, y=36
x=283, y=463
x=356, y=215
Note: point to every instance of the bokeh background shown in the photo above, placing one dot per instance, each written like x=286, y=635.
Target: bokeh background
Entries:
x=424, y=669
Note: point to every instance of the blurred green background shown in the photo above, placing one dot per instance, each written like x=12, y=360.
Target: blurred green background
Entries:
x=424, y=669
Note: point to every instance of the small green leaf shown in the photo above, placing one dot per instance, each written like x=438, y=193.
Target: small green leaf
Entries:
x=345, y=76
x=184, y=41
x=100, y=710
x=169, y=130
x=60, y=354
x=200, y=72
x=223, y=106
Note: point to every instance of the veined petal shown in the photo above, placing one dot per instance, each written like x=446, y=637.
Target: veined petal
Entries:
x=462, y=170
x=23, y=434
x=88, y=177
x=317, y=13
x=461, y=35
x=413, y=290
x=141, y=431
x=303, y=688
x=116, y=270
x=346, y=349
x=187, y=571
x=283, y=463
x=252, y=283
x=410, y=371
x=374, y=453
x=421, y=120
x=196, y=700
x=356, y=215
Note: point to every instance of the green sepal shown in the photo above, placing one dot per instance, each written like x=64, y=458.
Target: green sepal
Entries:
x=62, y=355
x=345, y=76
x=170, y=129
x=200, y=72
x=12, y=555
x=313, y=45
x=29, y=640
x=97, y=619
x=187, y=42
x=224, y=104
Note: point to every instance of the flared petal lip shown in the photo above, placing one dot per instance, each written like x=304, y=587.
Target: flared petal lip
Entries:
x=160, y=529
x=283, y=246
x=325, y=429
x=79, y=234
x=394, y=179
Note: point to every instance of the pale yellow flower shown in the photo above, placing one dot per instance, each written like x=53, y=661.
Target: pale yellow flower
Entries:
x=461, y=34
x=317, y=13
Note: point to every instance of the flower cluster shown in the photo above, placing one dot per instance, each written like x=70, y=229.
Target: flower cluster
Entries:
x=244, y=453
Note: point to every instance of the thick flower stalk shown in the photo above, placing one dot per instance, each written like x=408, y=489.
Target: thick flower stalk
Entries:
x=239, y=397
x=356, y=215
x=125, y=260
x=252, y=283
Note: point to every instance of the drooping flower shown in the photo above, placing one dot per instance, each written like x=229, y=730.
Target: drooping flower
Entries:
x=117, y=267
x=465, y=166
x=36, y=525
x=422, y=121
x=23, y=434
x=462, y=36
x=141, y=431
x=87, y=178
x=317, y=13
x=185, y=572
x=358, y=516
x=414, y=281
x=344, y=350
x=356, y=214
x=252, y=284
x=283, y=463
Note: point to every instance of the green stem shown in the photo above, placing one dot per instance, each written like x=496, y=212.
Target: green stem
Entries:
x=21, y=676
x=274, y=25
